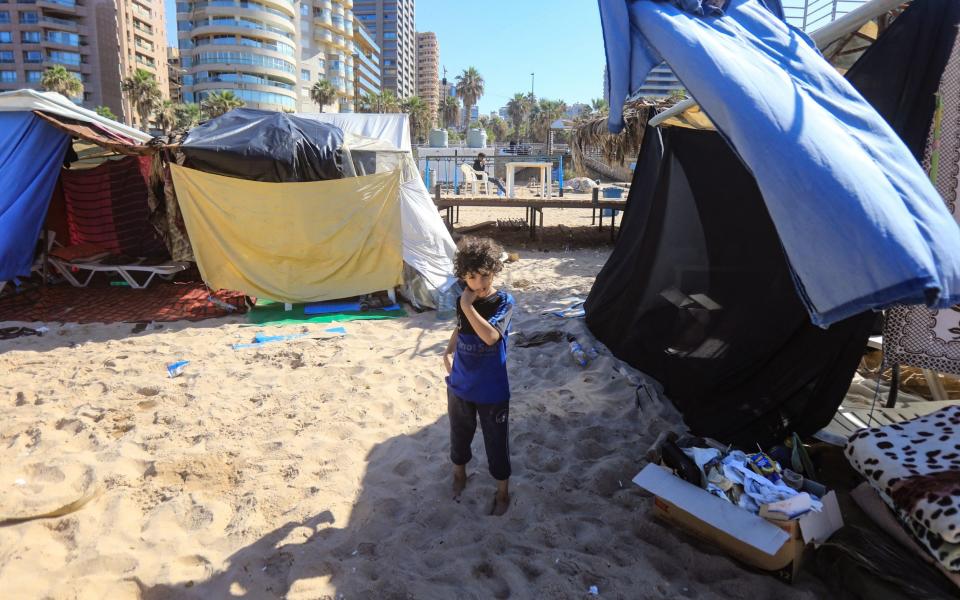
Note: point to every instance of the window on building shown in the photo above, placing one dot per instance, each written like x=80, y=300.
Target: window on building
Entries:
x=8, y=76
x=66, y=58
x=305, y=74
x=305, y=9
x=4, y=16
x=389, y=35
x=32, y=56
x=30, y=37
x=6, y=56
x=6, y=37
x=34, y=76
x=29, y=17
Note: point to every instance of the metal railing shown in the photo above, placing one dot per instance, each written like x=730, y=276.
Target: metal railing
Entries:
x=446, y=172
x=810, y=15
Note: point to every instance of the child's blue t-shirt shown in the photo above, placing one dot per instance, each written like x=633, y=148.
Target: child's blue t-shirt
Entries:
x=480, y=371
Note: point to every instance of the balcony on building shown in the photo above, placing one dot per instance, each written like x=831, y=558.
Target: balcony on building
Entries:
x=142, y=27
x=60, y=39
x=48, y=22
x=68, y=7
x=142, y=12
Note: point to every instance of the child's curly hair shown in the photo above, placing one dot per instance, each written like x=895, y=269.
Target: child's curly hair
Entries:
x=475, y=255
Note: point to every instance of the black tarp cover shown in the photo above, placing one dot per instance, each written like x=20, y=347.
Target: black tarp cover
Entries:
x=265, y=146
x=900, y=73
x=697, y=294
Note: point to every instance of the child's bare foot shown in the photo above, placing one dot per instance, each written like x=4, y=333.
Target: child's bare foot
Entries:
x=459, y=480
x=501, y=501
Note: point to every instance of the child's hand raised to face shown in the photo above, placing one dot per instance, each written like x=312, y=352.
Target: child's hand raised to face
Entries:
x=468, y=296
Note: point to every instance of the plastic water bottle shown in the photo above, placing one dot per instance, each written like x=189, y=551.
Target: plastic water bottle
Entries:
x=447, y=301
x=578, y=354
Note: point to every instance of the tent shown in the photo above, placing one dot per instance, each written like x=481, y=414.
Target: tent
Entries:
x=697, y=293
x=860, y=223
x=291, y=151
x=702, y=291
x=35, y=131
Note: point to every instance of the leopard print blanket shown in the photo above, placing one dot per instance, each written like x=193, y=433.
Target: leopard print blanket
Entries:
x=915, y=466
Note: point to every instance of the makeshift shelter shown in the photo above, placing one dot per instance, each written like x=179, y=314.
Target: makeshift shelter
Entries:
x=702, y=290
x=826, y=163
x=299, y=155
x=35, y=131
x=697, y=294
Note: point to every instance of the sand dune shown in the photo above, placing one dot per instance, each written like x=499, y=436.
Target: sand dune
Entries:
x=318, y=468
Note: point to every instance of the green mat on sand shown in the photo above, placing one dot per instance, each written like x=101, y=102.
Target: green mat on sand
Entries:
x=267, y=312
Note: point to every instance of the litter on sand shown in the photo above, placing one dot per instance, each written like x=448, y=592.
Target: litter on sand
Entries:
x=567, y=308
x=260, y=339
x=9, y=333
x=176, y=369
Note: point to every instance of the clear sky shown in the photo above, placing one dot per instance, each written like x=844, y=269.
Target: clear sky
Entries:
x=560, y=41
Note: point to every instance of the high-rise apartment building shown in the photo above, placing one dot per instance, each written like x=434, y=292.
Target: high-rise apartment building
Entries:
x=175, y=74
x=97, y=40
x=366, y=62
x=269, y=53
x=428, y=71
x=142, y=33
x=392, y=24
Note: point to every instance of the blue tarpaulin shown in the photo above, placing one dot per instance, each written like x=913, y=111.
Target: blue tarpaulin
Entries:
x=31, y=154
x=861, y=225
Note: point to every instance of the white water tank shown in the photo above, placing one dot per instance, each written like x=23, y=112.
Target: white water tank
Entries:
x=439, y=138
x=477, y=138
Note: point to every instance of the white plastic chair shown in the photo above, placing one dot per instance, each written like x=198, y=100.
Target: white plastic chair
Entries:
x=475, y=179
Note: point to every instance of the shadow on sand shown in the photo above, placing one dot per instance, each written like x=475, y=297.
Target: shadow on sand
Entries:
x=575, y=521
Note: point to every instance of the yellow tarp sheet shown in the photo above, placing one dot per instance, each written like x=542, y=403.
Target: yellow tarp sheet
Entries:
x=294, y=242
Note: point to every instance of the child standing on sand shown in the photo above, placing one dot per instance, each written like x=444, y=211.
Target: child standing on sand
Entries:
x=476, y=362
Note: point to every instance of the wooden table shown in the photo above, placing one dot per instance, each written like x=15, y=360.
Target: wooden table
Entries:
x=546, y=177
x=534, y=206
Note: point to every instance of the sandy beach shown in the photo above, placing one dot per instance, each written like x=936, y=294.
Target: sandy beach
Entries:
x=318, y=468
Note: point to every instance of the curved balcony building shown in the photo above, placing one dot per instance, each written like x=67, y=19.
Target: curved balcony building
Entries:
x=248, y=47
x=268, y=52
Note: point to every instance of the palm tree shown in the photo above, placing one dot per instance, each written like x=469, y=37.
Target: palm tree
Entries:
x=368, y=103
x=517, y=109
x=186, y=115
x=166, y=116
x=599, y=105
x=542, y=115
x=322, y=93
x=419, y=116
x=218, y=103
x=58, y=79
x=143, y=93
x=390, y=102
x=470, y=88
x=450, y=109
x=497, y=129
x=104, y=111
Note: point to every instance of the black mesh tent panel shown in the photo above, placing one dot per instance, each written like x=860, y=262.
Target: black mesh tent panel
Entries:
x=697, y=293
x=899, y=73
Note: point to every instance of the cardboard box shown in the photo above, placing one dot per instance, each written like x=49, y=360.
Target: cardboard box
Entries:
x=776, y=546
